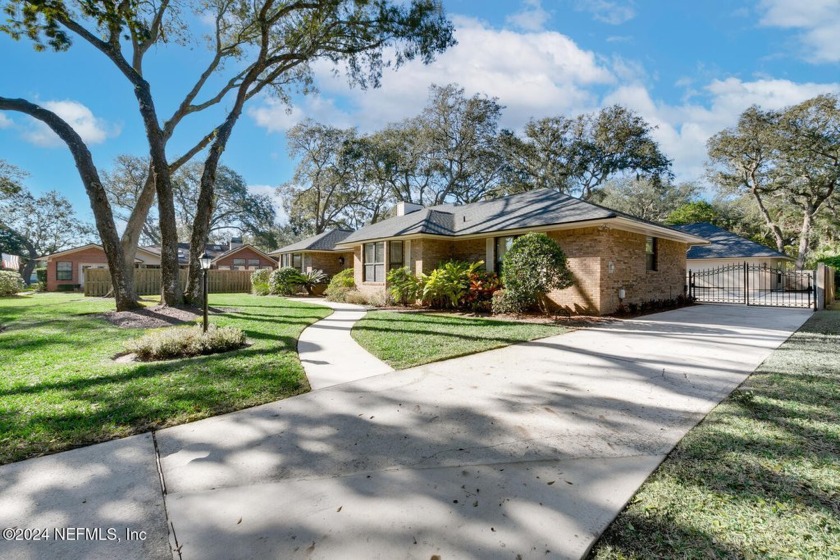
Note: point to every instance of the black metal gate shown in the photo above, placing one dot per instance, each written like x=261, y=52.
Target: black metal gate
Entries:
x=751, y=284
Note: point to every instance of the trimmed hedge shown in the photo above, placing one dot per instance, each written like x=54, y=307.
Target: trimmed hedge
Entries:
x=182, y=342
x=534, y=265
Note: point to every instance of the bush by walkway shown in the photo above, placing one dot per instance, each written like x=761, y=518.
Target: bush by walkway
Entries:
x=759, y=476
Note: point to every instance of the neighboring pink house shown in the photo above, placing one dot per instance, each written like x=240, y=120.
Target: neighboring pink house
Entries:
x=66, y=268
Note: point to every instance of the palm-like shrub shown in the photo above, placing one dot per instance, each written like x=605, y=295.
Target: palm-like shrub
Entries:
x=312, y=278
x=447, y=285
x=403, y=286
x=285, y=281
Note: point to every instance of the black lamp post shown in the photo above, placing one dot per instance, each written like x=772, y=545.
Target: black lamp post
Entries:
x=205, y=261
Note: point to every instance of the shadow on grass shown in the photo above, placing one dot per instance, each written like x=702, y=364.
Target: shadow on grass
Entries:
x=148, y=395
x=758, y=474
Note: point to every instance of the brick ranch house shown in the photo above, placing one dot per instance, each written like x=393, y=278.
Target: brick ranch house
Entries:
x=609, y=253
x=317, y=253
x=67, y=267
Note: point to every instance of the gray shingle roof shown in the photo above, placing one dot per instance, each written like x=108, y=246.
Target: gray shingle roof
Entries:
x=724, y=244
x=531, y=209
x=322, y=242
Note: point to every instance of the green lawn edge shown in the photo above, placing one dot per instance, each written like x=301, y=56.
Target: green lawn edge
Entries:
x=60, y=388
x=759, y=477
x=435, y=337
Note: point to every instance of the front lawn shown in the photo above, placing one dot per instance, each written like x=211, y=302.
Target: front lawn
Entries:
x=60, y=388
x=410, y=339
x=760, y=476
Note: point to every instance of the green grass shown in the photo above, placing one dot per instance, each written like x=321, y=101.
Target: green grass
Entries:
x=760, y=476
x=410, y=339
x=60, y=389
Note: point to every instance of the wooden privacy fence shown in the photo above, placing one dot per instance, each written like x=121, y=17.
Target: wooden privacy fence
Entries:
x=147, y=281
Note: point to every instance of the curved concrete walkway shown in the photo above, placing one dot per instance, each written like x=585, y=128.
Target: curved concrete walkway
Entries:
x=526, y=451
x=329, y=354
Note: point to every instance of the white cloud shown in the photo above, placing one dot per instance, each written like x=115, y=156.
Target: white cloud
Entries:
x=684, y=129
x=607, y=11
x=531, y=18
x=532, y=73
x=92, y=130
x=5, y=121
x=538, y=74
x=276, y=116
x=818, y=20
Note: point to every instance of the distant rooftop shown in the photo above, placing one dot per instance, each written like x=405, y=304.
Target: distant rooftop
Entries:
x=725, y=244
x=322, y=242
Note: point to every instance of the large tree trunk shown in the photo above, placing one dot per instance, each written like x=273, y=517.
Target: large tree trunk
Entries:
x=205, y=204
x=774, y=228
x=104, y=218
x=170, y=285
x=804, y=238
x=201, y=229
x=204, y=210
x=134, y=227
x=26, y=272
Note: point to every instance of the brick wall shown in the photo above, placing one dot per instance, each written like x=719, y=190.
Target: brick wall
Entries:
x=247, y=253
x=326, y=261
x=470, y=250
x=626, y=251
x=88, y=256
x=583, y=249
x=427, y=254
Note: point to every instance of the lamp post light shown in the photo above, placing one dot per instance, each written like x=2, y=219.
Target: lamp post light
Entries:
x=205, y=261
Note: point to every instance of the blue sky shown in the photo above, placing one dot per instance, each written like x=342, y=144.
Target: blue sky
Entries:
x=690, y=68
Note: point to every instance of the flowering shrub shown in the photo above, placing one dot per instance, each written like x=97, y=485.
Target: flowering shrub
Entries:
x=10, y=282
x=259, y=282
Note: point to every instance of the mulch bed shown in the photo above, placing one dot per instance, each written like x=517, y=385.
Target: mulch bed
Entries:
x=150, y=317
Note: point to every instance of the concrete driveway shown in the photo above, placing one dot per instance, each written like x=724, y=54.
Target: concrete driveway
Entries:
x=524, y=452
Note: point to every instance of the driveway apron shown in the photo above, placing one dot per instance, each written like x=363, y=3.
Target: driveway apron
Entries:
x=527, y=451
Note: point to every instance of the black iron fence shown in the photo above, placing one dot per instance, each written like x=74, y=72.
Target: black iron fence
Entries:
x=752, y=284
